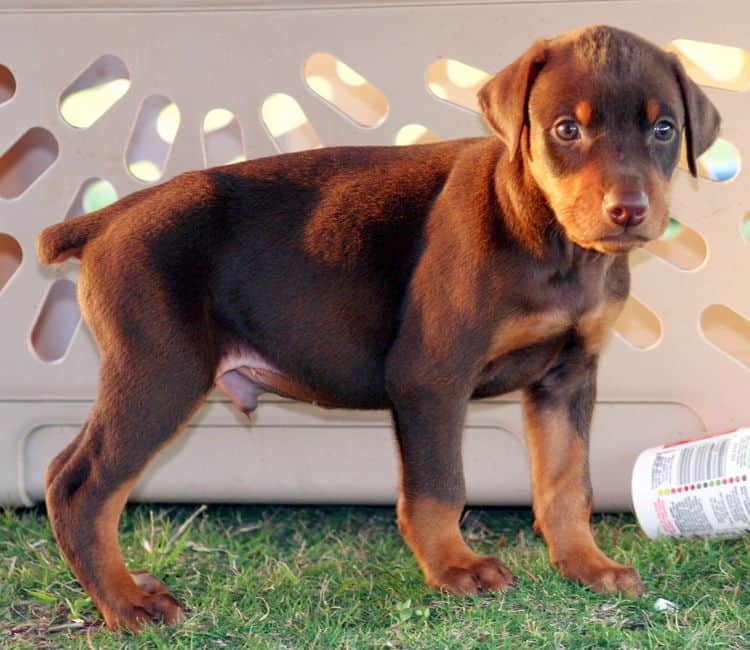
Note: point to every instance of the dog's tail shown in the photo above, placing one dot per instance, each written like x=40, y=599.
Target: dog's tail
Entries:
x=67, y=239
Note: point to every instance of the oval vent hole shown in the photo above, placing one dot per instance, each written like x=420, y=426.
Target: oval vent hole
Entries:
x=222, y=138
x=94, y=194
x=56, y=324
x=11, y=256
x=720, y=162
x=154, y=132
x=345, y=89
x=456, y=82
x=728, y=331
x=681, y=246
x=415, y=134
x=638, y=325
x=26, y=160
x=287, y=124
x=7, y=84
x=97, y=89
x=711, y=64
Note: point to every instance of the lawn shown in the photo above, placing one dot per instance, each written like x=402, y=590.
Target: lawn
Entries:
x=275, y=577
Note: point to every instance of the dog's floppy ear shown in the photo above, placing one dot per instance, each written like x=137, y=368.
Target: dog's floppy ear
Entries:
x=504, y=98
x=702, y=120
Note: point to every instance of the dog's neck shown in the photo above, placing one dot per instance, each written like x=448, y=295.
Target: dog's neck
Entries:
x=526, y=212
x=530, y=219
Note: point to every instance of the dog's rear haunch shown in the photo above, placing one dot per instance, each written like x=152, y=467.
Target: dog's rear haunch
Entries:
x=408, y=278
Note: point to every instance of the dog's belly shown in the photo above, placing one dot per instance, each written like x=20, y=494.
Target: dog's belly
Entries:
x=244, y=375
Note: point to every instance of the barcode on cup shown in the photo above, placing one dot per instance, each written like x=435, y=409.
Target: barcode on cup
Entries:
x=702, y=462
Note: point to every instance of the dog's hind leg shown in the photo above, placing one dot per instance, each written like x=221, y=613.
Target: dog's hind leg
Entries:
x=58, y=462
x=144, y=400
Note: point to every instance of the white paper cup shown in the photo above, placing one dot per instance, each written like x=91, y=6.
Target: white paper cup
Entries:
x=695, y=487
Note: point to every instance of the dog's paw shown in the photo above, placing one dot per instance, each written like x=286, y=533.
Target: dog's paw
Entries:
x=152, y=603
x=603, y=575
x=473, y=576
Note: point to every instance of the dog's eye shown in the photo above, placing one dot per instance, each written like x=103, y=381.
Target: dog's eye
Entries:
x=567, y=130
x=664, y=130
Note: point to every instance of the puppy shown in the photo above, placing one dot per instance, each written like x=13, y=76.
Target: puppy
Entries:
x=407, y=278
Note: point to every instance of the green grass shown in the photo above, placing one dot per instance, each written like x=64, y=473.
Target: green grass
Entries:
x=342, y=578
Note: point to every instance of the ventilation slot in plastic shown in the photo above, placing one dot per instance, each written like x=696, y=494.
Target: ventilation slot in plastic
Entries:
x=97, y=89
x=721, y=162
x=94, y=194
x=11, y=256
x=345, y=89
x=710, y=64
x=638, y=325
x=456, y=82
x=7, y=84
x=681, y=246
x=56, y=324
x=415, y=134
x=728, y=331
x=154, y=132
x=222, y=138
x=287, y=124
x=27, y=159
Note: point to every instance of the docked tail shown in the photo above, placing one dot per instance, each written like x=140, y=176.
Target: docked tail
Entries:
x=67, y=239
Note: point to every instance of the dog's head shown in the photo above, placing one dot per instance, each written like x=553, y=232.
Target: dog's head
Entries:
x=598, y=116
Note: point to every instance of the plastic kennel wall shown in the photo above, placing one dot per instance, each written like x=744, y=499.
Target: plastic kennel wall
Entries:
x=111, y=96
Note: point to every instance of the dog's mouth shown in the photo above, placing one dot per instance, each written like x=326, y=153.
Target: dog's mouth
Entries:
x=614, y=244
x=622, y=242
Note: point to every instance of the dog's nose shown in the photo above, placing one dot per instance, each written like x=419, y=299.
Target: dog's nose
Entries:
x=627, y=208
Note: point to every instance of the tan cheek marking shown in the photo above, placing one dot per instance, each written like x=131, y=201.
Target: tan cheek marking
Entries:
x=516, y=333
x=652, y=111
x=576, y=200
x=583, y=112
x=595, y=326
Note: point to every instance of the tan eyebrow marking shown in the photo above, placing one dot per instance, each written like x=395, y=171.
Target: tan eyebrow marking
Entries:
x=583, y=112
x=653, y=110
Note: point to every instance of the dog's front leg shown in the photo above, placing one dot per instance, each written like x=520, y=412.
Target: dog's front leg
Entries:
x=429, y=417
x=558, y=411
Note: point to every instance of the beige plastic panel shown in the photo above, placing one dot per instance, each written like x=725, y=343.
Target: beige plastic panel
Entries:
x=688, y=378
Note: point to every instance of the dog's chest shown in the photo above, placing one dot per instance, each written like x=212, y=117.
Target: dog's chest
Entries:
x=575, y=302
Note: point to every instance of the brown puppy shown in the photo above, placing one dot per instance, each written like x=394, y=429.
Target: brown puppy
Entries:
x=407, y=278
